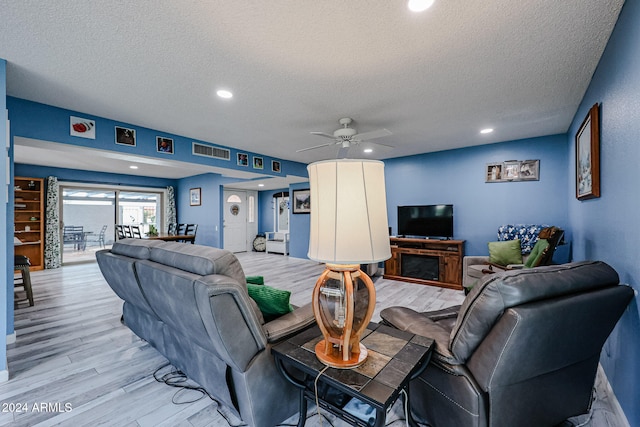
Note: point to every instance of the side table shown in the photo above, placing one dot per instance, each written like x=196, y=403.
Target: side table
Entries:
x=395, y=358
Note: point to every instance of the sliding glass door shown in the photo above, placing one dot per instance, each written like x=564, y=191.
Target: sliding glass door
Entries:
x=89, y=214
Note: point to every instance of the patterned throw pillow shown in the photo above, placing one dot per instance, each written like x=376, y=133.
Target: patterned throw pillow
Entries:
x=527, y=233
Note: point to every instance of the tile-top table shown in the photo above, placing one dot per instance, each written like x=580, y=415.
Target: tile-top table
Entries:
x=395, y=357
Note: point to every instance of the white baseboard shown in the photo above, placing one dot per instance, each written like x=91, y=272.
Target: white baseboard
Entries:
x=11, y=338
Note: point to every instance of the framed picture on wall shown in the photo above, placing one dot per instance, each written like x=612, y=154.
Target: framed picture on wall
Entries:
x=275, y=166
x=164, y=145
x=301, y=201
x=588, y=156
x=511, y=170
x=258, y=163
x=84, y=128
x=125, y=136
x=194, y=196
x=493, y=172
x=243, y=159
x=530, y=170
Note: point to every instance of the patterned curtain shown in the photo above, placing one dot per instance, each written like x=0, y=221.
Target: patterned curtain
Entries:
x=52, y=225
x=171, y=206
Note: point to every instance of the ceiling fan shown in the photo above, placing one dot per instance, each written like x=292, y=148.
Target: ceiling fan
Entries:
x=345, y=137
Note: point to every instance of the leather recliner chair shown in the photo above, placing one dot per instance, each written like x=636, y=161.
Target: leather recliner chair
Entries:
x=522, y=349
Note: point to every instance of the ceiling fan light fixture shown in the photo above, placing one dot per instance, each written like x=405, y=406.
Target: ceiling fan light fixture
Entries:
x=419, y=5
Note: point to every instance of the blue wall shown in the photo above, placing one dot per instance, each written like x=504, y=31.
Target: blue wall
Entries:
x=75, y=175
x=458, y=177
x=607, y=228
x=7, y=232
x=300, y=224
x=265, y=210
x=208, y=215
x=44, y=122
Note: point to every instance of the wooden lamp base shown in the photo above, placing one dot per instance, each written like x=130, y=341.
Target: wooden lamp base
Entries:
x=334, y=307
x=335, y=360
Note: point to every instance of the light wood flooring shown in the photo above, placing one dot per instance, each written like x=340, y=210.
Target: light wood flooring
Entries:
x=75, y=364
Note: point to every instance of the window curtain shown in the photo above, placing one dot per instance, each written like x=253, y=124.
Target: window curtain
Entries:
x=52, y=257
x=171, y=206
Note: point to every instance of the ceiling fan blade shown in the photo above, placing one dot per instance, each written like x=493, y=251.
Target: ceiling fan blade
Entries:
x=326, y=135
x=381, y=144
x=371, y=135
x=315, y=146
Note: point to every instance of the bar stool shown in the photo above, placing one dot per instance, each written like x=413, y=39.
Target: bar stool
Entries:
x=22, y=263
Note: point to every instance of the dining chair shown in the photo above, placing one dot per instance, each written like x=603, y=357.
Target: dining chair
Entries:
x=135, y=232
x=21, y=263
x=127, y=231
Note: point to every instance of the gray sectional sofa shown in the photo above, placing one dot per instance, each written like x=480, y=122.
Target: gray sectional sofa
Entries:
x=190, y=302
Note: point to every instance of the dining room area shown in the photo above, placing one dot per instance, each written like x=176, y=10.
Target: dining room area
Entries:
x=93, y=217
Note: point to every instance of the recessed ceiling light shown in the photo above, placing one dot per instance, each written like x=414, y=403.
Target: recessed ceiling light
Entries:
x=487, y=130
x=368, y=150
x=419, y=5
x=224, y=94
x=133, y=167
x=260, y=185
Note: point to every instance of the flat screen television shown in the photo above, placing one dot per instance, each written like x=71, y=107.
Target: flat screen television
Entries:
x=426, y=221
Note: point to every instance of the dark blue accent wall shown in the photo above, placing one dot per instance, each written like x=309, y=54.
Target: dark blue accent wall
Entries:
x=6, y=233
x=44, y=122
x=607, y=228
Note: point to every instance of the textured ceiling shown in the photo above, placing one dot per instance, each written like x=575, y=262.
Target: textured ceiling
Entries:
x=433, y=79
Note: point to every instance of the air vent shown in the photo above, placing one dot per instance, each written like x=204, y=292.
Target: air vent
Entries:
x=210, y=151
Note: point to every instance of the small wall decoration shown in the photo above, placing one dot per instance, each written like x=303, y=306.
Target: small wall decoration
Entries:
x=301, y=201
x=275, y=166
x=194, y=196
x=84, y=128
x=588, y=156
x=258, y=163
x=125, y=136
x=243, y=159
x=164, y=145
x=513, y=170
x=494, y=172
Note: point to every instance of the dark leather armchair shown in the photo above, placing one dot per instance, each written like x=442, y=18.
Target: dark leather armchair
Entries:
x=522, y=349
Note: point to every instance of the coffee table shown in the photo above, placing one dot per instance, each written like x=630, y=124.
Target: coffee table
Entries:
x=395, y=358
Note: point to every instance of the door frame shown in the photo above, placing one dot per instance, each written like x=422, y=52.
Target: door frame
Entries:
x=252, y=215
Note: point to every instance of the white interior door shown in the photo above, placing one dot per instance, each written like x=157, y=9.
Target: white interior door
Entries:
x=235, y=220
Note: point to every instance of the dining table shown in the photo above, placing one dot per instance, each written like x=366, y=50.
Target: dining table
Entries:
x=188, y=238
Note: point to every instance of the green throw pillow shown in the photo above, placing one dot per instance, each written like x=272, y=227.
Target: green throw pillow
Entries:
x=272, y=302
x=505, y=253
x=256, y=280
x=536, y=253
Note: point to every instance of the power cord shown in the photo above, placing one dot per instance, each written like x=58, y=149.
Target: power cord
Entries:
x=178, y=379
x=315, y=389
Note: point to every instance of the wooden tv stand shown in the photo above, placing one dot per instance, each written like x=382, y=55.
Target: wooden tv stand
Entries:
x=426, y=261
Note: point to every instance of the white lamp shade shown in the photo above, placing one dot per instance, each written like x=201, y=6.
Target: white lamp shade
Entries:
x=348, y=212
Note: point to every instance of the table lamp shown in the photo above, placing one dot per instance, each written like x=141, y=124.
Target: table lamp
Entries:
x=349, y=227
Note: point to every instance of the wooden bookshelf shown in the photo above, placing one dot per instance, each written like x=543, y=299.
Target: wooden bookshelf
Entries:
x=29, y=219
